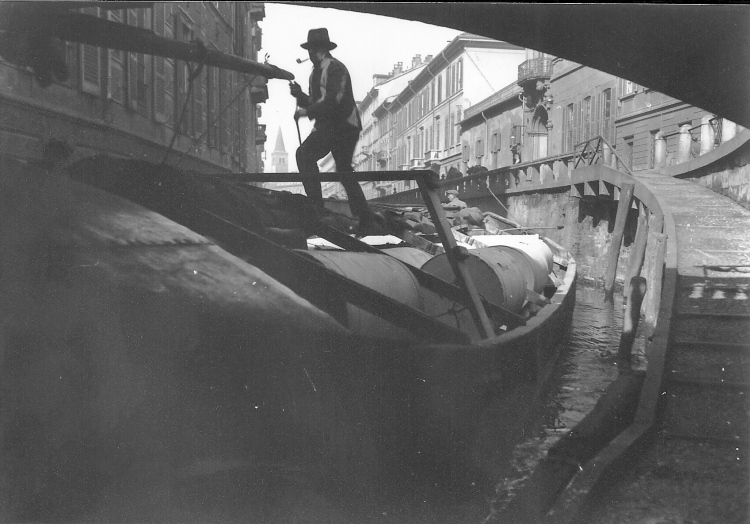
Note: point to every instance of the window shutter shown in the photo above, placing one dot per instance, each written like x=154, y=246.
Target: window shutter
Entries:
x=91, y=62
x=169, y=68
x=200, y=102
x=214, y=108
x=160, y=82
x=225, y=119
x=116, y=84
x=132, y=64
x=169, y=72
x=235, y=113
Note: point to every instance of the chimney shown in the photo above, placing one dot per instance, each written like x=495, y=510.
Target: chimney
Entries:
x=379, y=79
x=417, y=60
x=427, y=59
x=397, y=68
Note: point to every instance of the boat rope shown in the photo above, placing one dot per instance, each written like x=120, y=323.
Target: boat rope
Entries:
x=506, y=209
x=209, y=125
x=191, y=78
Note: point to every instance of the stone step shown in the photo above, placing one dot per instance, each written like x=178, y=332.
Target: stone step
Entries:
x=711, y=329
x=706, y=412
x=717, y=361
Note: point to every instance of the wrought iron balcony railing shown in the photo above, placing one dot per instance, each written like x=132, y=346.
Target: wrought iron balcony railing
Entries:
x=534, y=69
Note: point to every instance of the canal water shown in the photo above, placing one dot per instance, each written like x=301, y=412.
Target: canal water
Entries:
x=518, y=428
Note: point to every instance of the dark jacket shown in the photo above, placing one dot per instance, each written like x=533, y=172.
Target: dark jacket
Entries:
x=331, y=101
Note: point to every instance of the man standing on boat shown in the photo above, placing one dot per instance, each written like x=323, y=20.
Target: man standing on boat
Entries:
x=337, y=122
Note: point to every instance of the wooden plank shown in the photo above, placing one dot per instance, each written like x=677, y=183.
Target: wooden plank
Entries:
x=626, y=196
x=653, y=296
x=456, y=257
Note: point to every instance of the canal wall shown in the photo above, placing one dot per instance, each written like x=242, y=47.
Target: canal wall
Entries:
x=541, y=195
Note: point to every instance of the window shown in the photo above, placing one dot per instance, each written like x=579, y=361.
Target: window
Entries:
x=479, y=149
x=440, y=89
x=437, y=133
x=627, y=87
x=460, y=74
x=458, y=126
x=586, y=119
x=652, y=149
x=607, y=120
x=568, y=126
x=495, y=148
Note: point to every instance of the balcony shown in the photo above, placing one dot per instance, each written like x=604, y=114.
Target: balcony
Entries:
x=381, y=157
x=431, y=155
x=534, y=69
x=260, y=134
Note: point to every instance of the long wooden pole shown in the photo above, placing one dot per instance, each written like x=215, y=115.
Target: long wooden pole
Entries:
x=456, y=255
x=626, y=197
x=28, y=19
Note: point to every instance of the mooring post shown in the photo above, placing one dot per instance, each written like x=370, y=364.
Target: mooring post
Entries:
x=637, y=290
x=638, y=252
x=626, y=197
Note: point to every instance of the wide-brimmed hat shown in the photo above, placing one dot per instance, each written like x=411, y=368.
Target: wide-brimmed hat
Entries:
x=451, y=192
x=318, y=38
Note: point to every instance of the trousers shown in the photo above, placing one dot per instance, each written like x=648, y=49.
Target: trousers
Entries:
x=341, y=145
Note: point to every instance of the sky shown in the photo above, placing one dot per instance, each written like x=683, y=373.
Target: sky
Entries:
x=367, y=45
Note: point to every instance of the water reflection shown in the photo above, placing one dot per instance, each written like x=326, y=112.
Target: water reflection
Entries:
x=587, y=366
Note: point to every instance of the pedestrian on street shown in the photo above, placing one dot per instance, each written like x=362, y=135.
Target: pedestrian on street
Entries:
x=337, y=122
x=453, y=200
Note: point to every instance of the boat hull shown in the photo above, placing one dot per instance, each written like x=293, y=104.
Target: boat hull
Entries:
x=144, y=366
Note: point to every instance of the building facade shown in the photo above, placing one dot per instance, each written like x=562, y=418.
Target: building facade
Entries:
x=555, y=106
x=418, y=127
x=371, y=151
x=133, y=105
